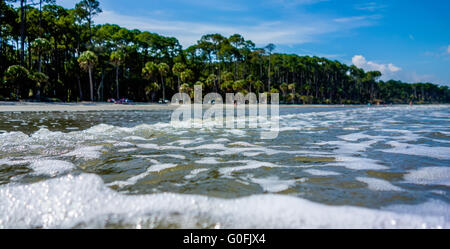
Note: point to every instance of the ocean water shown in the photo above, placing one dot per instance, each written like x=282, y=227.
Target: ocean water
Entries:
x=379, y=167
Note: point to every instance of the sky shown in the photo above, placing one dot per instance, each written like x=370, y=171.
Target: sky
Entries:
x=406, y=40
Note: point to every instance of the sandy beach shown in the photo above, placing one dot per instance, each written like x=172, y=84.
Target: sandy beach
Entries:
x=86, y=106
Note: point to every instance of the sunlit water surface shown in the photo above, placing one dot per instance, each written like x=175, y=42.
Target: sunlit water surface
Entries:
x=386, y=167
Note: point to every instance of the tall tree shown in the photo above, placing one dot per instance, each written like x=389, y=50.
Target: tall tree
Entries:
x=177, y=69
x=163, y=69
x=87, y=61
x=270, y=47
x=117, y=58
x=89, y=9
x=41, y=46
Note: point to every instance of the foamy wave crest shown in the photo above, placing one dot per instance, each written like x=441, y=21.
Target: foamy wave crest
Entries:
x=84, y=201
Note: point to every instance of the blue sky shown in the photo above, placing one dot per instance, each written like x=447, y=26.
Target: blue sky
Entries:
x=404, y=39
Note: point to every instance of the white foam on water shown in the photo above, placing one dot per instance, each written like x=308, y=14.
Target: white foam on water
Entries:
x=273, y=184
x=407, y=135
x=161, y=167
x=126, y=150
x=13, y=162
x=242, y=144
x=135, y=138
x=194, y=173
x=123, y=144
x=361, y=135
x=184, y=142
x=317, y=172
x=429, y=176
x=208, y=147
x=51, y=167
x=221, y=140
x=84, y=201
x=358, y=163
x=378, y=184
x=249, y=164
x=208, y=160
x=181, y=157
x=419, y=150
x=159, y=147
x=347, y=148
x=87, y=152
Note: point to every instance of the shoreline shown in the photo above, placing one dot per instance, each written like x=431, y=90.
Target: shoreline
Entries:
x=102, y=106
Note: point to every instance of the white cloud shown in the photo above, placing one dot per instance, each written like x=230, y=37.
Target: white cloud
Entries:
x=448, y=49
x=371, y=6
x=357, y=18
x=388, y=70
x=282, y=32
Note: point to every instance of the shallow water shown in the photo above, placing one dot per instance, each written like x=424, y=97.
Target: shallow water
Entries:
x=328, y=168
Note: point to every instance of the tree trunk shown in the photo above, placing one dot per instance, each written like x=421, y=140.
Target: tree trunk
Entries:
x=163, y=89
x=91, y=84
x=22, y=32
x=79, y=87
x=39, y=61
x=117, y=81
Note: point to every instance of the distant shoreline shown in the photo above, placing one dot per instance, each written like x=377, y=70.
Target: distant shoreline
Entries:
x=87, y=106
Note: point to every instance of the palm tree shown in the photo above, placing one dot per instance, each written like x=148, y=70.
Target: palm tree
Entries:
x=149, y=71
x=177, y=69
x=211, y=81
x=117, y=58
x=41, y=46
x=291, y=88
x=39, y=78
x=152, y=88
x=187, y=76
x=17, y=75
x=258, y=85
x=87, y=61
x=163, y=69
x=284, y=88
x=185, y=88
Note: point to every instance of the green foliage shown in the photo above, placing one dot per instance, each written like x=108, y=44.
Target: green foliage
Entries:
x=16, y=74
x=150, y=69
x=187, y=76
x=66, y=42
x=117, y=57
x=88, y=60
x=39, y=78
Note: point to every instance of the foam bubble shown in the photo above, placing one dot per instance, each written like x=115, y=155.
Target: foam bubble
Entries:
x=317, y=172
x=273, y=184
x=378, y=184
x=249, y=164
x=419, y=150
x=84, y=201
x=208, y=160
x=51, y=167
x=87, y=152
x=161, y=167
x=430, y=176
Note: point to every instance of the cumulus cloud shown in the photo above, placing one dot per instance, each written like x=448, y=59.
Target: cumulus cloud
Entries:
x=386, y=69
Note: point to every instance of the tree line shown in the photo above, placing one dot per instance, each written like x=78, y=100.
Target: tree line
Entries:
x=50, y=53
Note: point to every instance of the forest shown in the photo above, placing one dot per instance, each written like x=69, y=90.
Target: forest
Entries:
x=50, y=53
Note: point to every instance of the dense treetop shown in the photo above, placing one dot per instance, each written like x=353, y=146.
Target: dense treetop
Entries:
x=48, y=52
